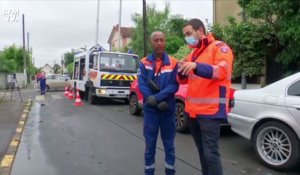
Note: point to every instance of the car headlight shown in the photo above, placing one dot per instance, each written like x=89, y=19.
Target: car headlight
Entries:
x=102, y=91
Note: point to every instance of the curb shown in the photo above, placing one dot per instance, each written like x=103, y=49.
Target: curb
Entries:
x=8, y=159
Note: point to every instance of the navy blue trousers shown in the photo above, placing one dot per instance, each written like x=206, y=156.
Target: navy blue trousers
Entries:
x=206, y=132
x=43, y=86
x=165, y=121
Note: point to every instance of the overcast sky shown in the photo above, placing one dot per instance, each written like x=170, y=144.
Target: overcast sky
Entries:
x=56, y=27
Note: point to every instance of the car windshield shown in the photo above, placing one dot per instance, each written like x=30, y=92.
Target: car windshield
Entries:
x=112, y=62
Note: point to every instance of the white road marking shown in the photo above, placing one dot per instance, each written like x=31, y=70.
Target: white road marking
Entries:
x=40, y=98
x=56, y=96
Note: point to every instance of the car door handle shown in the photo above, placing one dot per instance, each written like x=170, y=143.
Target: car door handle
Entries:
x=297, y=107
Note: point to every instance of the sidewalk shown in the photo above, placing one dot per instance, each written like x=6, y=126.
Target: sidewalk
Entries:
x=10, y=113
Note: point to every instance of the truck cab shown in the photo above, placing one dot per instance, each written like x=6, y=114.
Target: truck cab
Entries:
x=102, y=74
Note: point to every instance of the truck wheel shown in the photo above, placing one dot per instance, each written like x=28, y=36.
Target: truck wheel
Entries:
x=86, y=94
x=134, y=105
x=181, y=122
x=91, y=96
x=82, y=94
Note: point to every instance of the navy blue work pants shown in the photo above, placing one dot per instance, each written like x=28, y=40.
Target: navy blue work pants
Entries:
x=206, y=132
x=165, y=121
x=43, y=86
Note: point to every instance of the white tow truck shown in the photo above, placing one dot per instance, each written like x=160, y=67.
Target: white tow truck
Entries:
x=102, y=74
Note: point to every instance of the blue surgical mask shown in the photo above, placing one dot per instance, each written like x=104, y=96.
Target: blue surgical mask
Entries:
x=192, y=41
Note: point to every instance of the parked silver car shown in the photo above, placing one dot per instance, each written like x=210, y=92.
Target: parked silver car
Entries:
x=56, y=82
x=270, y=118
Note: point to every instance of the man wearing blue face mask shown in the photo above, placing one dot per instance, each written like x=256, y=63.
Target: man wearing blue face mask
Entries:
x=207, y=71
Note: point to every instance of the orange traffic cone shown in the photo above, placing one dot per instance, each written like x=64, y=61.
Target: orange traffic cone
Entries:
x=78, y=99
x=70, y=96
x=66, y=91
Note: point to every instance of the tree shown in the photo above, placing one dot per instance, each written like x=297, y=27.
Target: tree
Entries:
x=158, y=20
x=69, y=57
x=56, y=68
x=175, y=37
x=270, y=31
x=14, y=54
x=249, y=49
x=70, y=68
x=7, y=66
x=182, y=52
x=12, y=60
x=281, y=18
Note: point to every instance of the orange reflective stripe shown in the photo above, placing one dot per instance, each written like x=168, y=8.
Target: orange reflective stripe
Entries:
x=206, y=100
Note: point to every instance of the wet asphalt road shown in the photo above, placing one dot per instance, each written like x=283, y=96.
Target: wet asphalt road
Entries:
x=60, y=139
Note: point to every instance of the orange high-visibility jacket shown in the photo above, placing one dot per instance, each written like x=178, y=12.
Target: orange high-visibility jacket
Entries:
x=209, y=84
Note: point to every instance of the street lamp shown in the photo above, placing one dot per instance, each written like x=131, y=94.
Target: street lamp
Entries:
x=97, y=22
x=24, y=50
x=120, y=19
x=145, y=28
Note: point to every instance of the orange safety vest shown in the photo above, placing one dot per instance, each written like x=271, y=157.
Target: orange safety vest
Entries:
x=209, y=85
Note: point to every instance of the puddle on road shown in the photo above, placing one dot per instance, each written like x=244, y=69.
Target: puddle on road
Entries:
x=30, y=158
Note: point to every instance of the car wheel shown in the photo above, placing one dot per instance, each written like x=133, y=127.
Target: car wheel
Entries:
x=91, y=96
x=47, y=88
x=277, y=145
x=134, y=105
x=181, y=122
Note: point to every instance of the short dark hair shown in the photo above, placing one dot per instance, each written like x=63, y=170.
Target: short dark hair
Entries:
x=196, y=24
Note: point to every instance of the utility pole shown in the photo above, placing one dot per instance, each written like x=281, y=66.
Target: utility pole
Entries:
x=97, y=22
x=244, y=78
x=145, y=28
x=62, y=63
x=24, y=51
x=120, y=19
x=29, y=54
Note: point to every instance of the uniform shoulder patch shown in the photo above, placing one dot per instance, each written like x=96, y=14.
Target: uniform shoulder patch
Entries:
x=224, y=49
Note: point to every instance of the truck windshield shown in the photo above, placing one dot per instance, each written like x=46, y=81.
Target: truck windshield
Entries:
x=112, y=62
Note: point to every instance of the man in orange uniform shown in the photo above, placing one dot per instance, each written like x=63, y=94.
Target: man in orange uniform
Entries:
x=157, y=82
x=207, y=71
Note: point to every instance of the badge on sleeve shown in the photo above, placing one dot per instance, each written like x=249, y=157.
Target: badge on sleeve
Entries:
x=224, y=49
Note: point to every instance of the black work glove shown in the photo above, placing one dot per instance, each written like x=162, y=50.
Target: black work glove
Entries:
x=162, y=106
x=151, y=100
